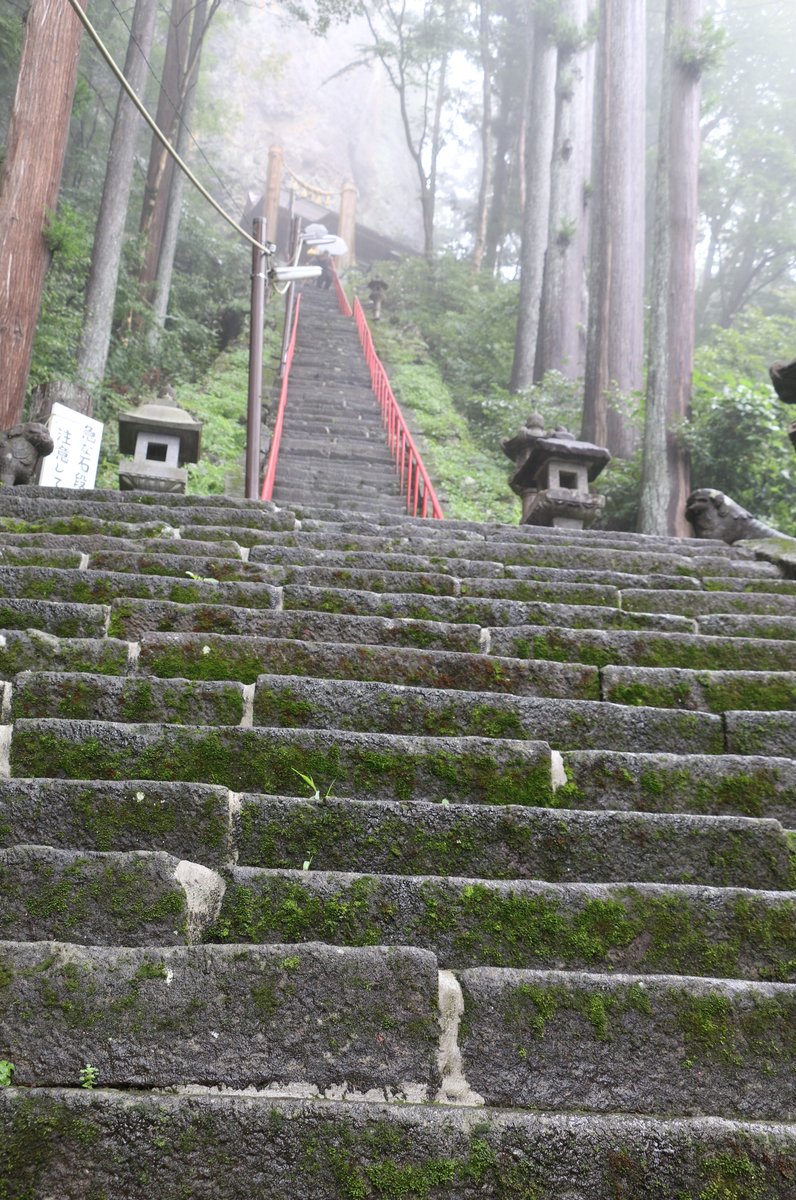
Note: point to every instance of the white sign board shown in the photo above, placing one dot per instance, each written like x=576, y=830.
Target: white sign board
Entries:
x=73, y=462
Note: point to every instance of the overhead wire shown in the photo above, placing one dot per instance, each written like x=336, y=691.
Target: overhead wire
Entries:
x=171, y=101
x=266, y=247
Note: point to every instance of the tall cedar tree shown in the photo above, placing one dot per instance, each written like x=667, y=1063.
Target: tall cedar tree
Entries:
x=615, y=336
x=29, y=182
x=106, y=253
x=563, y=307
x=665, y=473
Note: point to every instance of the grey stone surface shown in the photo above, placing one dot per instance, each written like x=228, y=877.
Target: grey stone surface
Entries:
x=772, y=733
x=36, y=650
x=661, y=1045
x=106, y=586
x=751, y=625
x=87, y=543
x=372, y=560
x=707, y=691
x=240, y=1017
x=110, y=507
x=564, y=724
x=236, y=1147
x=477, y=770
x=187, y=820
x=749, y=786
x=428, y=583
x=223, y=569
x=480, y=841
x=111, y=698
x=704, y=603
x=641, y=928
x=61, y=620
x=133, y=899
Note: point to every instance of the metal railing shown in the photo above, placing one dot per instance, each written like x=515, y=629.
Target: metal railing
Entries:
x=273, y=453
x=342, y=299
x=421, y=499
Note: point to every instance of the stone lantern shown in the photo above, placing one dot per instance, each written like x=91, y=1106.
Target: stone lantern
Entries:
x=553, y=476
x=161, y=438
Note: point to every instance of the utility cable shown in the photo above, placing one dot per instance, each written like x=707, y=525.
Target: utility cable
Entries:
x=266, y=247
x=174, y=105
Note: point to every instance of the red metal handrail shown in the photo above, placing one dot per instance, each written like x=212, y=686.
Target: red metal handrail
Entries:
x=409, y=465
x=273, y=453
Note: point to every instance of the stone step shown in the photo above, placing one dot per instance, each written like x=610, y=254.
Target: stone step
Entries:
x=485, y=842
x=100, y=587
x=32, y=555
x=768, y=733
x=568, y=1041
x=312, y=1014
x=33, y=512
x=699, y=604
x=191, y=821
x=130, y=619
x=752, y=786
x=396, y=561
x=728, y=583
x=139, y=898
x=222, y=570
x=609, y=647
x=244, y=659
x=60, y=620
x=274, y=761
x=88, y=697
x=327, y=1149
x=36, y=650
x=312, y=703
x=486, y=612
x=45, y=545
x=428, y=583
x=338, y=450
x=705, y=691
x=749, y=626
x=732, y=933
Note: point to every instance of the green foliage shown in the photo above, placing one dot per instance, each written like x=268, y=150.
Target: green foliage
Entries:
x=737, y=432
x=68, y=236
x=6, y=1073
x=89, y=1077
x=700, y=49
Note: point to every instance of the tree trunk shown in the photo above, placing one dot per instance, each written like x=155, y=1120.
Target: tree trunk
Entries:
x=562, y=312
x=501, y=175
x=29, y=183
x=171, y=226
x=106, y=254
x=615, y=336
x=487, y=159
x=538, y=152
x=665, y=475
x=161, y=166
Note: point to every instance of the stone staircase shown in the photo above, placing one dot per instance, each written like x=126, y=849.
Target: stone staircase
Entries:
x=333, y=451
x=364, y=856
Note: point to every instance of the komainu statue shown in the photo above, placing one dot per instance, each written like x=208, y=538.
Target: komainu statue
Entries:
x=714, y=515
x=20, y=450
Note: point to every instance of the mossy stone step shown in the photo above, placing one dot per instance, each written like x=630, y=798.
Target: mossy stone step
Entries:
x=81, y=515
x=32, y=555
x=87, y=543
x=614, y=647
x=220, y=657
x=469, y=610
x=705, y=691
x=724, y=583
x=373, y=561
x=769, y=733
x=141, y=898
x=188, y=820
x=662, y=1045
x=311, y=1015
x=103, y=587
x=131, y=619
x=428, y=583
x=299, y=702
x=59, y=1138
x=480, y=841
x=644, y=928
x=750, y=625
x=87, y=697
x=698, y=604
x=376, y=766
x=749, y=786
x=223, y=570
x=139, y=500
x=36, y=650
x=59, y=619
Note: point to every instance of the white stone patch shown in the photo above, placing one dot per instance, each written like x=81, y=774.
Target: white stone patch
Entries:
x=5, y=704
x=485, y=641
x=83, y=564
x=558, y=771
x=247, y=719
x=234, y=803
x=5, y=751
x=169, y=976
x=454, y=1088
x=285, y=1089
x=204, y=891
x=3, y=641
x=49, y=639
x=280, y=600
x=133, y=651
x=244, y=552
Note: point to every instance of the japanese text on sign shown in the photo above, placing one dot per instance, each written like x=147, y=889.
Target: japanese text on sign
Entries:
x=77, y=439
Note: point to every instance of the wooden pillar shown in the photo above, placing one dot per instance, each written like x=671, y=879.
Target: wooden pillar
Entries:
x=273, y=187
x=347, y=224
